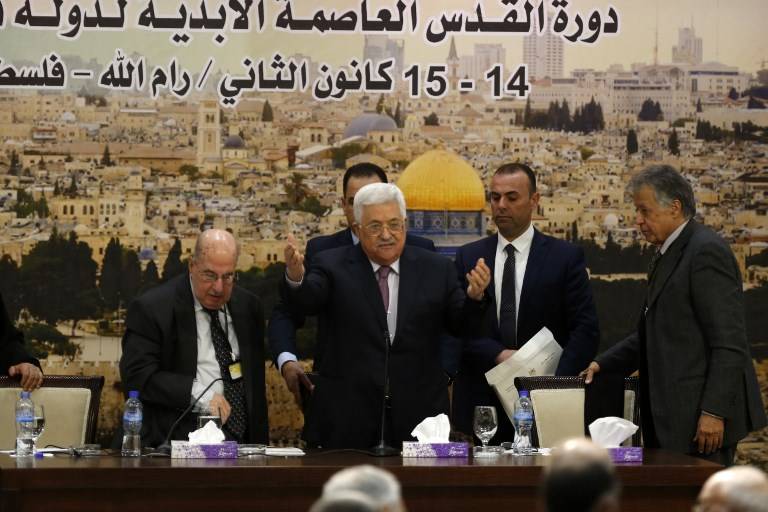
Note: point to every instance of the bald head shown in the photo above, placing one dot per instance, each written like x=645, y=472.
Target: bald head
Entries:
x=580, y=478
x=212, y=268
x=216, y=240
x=736, y=489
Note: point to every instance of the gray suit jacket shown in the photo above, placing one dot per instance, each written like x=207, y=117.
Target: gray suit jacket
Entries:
x=696, y=345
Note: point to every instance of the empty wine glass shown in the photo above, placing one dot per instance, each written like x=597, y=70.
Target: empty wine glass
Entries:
x=38, y=424
x=485, y=424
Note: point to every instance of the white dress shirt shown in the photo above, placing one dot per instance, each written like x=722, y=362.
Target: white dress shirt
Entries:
x=671, y=238
x=393, y=282
x=207, y=365
x=522, y=246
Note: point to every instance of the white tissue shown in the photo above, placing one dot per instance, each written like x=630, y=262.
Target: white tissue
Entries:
x=209, y=434
x=433, y=430
x=610, y=432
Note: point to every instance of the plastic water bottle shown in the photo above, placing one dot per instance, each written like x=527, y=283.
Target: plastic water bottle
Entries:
x=523, y=424
x=132, y=417
x=25, y=425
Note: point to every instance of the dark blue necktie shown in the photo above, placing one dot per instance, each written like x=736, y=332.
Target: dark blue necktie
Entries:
x=507, y=313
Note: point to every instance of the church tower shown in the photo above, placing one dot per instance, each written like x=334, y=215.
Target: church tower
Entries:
x=208, y=131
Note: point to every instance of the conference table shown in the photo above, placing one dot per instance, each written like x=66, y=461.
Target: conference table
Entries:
x=663, y=481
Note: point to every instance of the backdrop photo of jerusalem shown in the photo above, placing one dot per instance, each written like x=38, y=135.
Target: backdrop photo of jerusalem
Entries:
x=103, y=193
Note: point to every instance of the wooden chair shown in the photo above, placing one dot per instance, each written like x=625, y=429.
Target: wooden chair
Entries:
x=71, y=409
x=558, y=407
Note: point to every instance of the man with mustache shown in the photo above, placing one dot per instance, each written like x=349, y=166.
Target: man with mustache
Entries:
x=538, y=281
x=378, y=292
x=189, y=331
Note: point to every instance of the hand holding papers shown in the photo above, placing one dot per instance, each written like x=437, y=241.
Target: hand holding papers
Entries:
x=539, y=356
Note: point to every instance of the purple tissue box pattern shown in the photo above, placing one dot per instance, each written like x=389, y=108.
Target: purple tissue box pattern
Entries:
x=411, y=449
x=185, y=450
x=626, y=454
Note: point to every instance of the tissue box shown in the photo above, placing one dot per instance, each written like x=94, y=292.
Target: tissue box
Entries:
x=626, y=454
x=413, y=449
x=186, y=450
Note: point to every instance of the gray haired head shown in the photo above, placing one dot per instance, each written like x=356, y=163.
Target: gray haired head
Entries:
x=345, y=501
x=668, y=185
x=377, y=193
x=736, y=489
x=378, y=485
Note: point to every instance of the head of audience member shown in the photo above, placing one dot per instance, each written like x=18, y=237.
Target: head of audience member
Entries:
x=580, y=478
x=355, y=178
x=513, y=199
x=212, y=267
x=380, y=222
x=736, y=489
x=663, y=201
x=376, y=484
x=345, y=501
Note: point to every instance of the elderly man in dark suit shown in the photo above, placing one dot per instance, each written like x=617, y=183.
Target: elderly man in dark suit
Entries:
x=283, y=323
x=184, y=334
x=376, y=294
x=15, y=361
x=699, y=393
x=538, y=281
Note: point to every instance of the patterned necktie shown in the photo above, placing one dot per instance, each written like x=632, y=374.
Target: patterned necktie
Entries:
x=653, y=264
x=382, y=275
x=233, y=390
x=507, y=309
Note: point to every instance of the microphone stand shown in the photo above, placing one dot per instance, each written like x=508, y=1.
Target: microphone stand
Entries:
x=383, y=449
x=165, y=448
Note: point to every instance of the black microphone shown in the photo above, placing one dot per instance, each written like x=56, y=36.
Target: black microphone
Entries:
x=165, y=448
x=383, y=449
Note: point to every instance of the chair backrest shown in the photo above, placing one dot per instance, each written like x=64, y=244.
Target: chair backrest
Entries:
x=71, y=409
x=558, y=407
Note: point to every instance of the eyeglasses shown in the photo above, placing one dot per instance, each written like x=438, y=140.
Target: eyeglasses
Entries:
x=211, y=277
x=377, y=228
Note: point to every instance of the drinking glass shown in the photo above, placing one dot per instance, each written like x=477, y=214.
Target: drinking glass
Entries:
x=38, y=425
x=206, y=415
x=485, y=424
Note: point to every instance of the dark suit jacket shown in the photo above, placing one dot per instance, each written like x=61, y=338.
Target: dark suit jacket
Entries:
x=345, y=409
x=281, y=332
x=12, y=350
x=556, y=294
x=696, y=345
x=160, y=357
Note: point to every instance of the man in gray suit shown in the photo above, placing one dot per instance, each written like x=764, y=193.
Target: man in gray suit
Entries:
x=699, y=393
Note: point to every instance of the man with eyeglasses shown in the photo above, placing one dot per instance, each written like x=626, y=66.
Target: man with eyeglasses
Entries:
x=283, y=323
x=184, y=334
x=377, y=293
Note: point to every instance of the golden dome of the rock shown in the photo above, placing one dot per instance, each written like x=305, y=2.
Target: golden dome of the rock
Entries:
x=441, y=180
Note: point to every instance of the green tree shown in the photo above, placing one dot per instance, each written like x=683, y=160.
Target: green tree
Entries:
x=58, y=280
x=41, y=163
x=9, y=285
x=106, y=159
x=632, y=145
x=150, y=277
x=45, y=340
x=312, y=205
x=267, y=115
x=673, y=144
x=380, y=105
x=432, y=120
x=733, y=94
x=130, y=279
x=173, y=265
x=527, y=113
x=650, y=111
x=345, y=152
x=191, y=171
x=398, y=117
x=14, y=168
x=296, y=189
x=586, y=153
x=111, y=274
x=698, y=106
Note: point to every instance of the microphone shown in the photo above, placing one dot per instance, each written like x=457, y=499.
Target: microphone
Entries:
x=165, y=448
x=383, y=449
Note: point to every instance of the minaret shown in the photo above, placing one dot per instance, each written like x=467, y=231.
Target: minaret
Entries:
x=208, y=131
x=453, y=67
x=135, y=205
